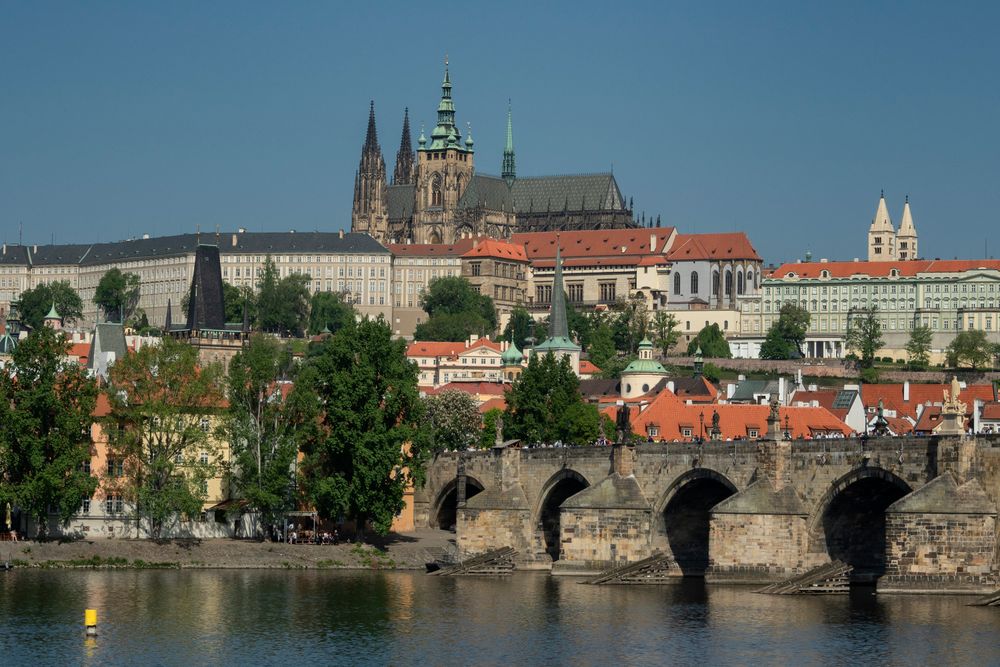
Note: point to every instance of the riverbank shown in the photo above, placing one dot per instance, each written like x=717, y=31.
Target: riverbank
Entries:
x=408, y=551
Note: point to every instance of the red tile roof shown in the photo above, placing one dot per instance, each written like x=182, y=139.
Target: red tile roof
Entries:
x=731, y=245
x=607, y=243
x=588, y=368
x=434, y=349
x=456, y=249
x=493, y=404
x=906, y=268
x=671, y=415
x=991, y=411
x=891, y=396
x=490, y=388
x=500, y=249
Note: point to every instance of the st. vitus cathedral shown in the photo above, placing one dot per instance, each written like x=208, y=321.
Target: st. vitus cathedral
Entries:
x=437, y=196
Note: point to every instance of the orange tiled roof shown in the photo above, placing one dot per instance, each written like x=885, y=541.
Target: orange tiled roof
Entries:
x=434, y=349
x=608, y=243
x=731, y=245
x=483, y=342
x=670, y=415
x=493, y=404
x=824, y=397
x=891, y=396
x=491, y=388
x=906, y=268
x=991, y=411
x=501, y=249
x=588, y=368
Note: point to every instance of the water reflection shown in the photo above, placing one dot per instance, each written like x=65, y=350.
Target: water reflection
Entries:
x=242, y=618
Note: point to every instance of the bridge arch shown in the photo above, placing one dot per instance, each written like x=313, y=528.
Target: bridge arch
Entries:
x=563, y=484
x=849, y=520
x=444, y=511
x=683, y=512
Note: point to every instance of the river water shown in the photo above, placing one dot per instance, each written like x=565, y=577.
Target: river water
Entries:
x=248, y=618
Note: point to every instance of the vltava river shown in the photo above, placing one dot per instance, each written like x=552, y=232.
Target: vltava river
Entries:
x=397, y=618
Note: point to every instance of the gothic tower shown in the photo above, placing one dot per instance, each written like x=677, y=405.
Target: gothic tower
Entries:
x=444, y=169
x=881, y=235
x=507, y=172
x=370, y=214
x=403, y=173
x=906, y=237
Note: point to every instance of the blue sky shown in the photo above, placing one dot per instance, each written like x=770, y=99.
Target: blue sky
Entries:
x=783, y=120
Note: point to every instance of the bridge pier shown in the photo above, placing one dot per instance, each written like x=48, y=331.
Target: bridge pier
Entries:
x=914, y=513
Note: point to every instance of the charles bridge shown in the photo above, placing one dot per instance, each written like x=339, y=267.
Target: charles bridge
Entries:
x=912, y=513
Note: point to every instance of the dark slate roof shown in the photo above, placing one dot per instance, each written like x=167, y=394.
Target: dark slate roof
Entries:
x=746, y=389
x=400, y=201
x=490, y=192
x=14, y=255
x=109, y=337
x=183, y=244
x=577, y=192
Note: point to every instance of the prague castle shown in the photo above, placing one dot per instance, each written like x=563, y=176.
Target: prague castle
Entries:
x=437, y=196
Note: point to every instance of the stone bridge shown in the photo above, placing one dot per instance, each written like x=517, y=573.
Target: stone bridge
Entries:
x=915, y=513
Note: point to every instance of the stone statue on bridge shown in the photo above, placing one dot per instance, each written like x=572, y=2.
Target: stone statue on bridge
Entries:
x=953, y=411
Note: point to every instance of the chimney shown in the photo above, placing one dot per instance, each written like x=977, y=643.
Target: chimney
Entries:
x=781, y=390
x=341, y=233
x=652, y=243
x=670, y=386
x=813, y=387
x=906, y=391
x=5, y=248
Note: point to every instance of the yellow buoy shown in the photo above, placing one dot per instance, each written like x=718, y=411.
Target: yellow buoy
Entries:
x=90, y=620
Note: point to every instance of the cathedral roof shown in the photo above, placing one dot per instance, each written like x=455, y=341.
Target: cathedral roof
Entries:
x=575, y=192
x=489, y=192
x=881, y=222
x=731, y=245
x=400, y=200
x=906, y=227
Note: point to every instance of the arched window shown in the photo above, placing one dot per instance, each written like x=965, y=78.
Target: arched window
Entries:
x=694, y=283
x=677, y=283
x=715, y=283
x=729, y=283
x=458, y=187
x=750, y=283
x=739, y=283
x=436, y=190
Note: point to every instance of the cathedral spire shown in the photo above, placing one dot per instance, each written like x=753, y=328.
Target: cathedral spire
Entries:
x=403, y=173
x=445, y=133
x=508, y=173
x=371, y=138
x=558, y=322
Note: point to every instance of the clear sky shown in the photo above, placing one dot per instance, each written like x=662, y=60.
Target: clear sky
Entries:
x=783, y=120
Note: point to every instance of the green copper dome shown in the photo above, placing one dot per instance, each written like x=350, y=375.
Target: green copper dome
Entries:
x=53, y=313
x=645, y=366
x=512, y=356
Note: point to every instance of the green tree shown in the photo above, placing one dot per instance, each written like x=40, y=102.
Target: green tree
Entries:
x=864, y=334
x=282, y=303
x=235, y=299
x=544, y=405
x=918, y=347
x=163, y=404
x=664, y=329
x=46, y=407
x=520, y=325
x=630, y=323
x=712, y=342
x=354, y=462
x=970, y=348
x=601, y=348
x=262, y=426
x=34, y=303
x=455, y=311
x=454, y=421
x=117, y=295
x=328, y=310
x=488, y=434
x=785, y=337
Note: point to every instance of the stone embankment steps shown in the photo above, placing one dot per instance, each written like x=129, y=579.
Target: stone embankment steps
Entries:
x=656, y=569
x=499, y=561
x=991, y=600
x=826, y=579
